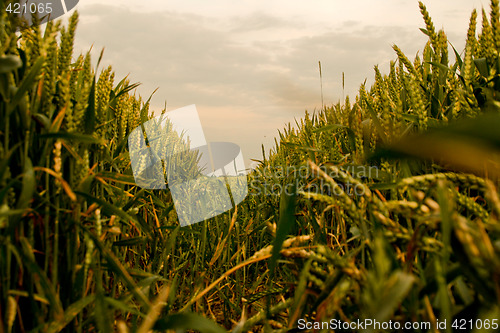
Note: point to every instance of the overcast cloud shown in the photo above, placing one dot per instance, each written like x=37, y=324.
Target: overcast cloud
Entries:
x=251, y=67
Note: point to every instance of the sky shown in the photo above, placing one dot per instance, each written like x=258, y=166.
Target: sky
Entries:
x=251, y=66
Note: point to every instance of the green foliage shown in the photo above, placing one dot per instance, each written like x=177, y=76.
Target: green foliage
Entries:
x=393, y=244
x=390, y=210
x=69, y=207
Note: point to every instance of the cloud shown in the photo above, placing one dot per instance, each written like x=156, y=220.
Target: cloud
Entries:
x=251, y=73
x=258, y=21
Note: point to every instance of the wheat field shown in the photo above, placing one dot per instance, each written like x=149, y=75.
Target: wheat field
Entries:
x=383, y=207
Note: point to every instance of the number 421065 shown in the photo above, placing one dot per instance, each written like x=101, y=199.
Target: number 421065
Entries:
x=463, y=324
x=41, y=8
